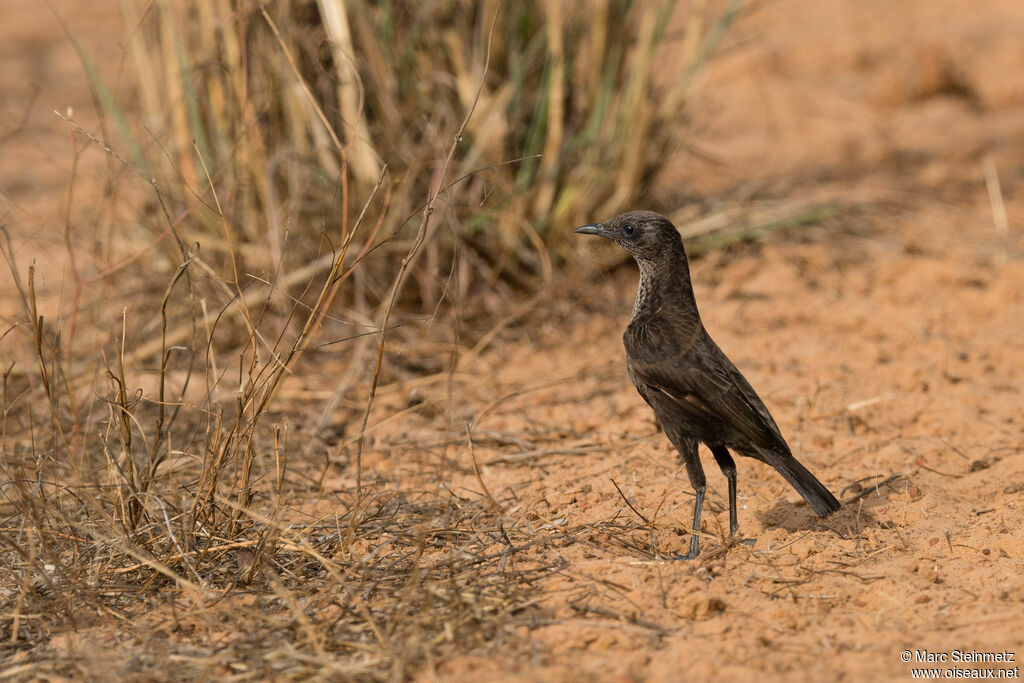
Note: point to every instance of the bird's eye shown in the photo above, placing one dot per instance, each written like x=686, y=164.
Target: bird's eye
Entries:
x=628, y=228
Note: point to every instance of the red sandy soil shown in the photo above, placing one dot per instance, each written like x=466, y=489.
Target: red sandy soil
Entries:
x=887, y=342
x=892, y=365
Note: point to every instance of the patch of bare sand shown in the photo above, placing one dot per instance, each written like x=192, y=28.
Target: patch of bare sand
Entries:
x=897, y=97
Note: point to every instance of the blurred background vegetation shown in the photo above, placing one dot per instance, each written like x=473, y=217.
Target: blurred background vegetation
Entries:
x=278, y=120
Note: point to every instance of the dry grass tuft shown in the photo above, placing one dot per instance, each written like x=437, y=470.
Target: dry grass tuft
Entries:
x=288, y=112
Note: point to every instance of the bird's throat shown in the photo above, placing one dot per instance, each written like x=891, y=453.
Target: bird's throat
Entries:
x=660, y=285
x=648, y=295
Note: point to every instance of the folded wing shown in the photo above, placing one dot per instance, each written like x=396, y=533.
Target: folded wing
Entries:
x=689, y=368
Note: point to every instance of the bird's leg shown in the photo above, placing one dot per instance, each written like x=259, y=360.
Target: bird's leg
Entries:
x=698, y=505
x=728, y=467
x=688, y=454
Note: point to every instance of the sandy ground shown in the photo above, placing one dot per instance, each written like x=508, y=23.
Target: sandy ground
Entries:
x=886, y=340
x=894, y=370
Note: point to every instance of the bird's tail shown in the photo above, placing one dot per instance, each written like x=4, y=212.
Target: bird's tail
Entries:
x=807, y=485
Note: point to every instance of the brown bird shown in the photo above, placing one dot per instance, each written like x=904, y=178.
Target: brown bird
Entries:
x=697, y=394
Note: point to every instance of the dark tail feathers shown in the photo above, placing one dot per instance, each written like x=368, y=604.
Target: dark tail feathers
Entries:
x=814, y=492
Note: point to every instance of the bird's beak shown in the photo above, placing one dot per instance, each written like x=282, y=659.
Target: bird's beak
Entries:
x=592, y=229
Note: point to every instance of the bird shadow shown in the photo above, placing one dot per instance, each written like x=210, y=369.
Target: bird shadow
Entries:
x=860, y=500
x=795, y=517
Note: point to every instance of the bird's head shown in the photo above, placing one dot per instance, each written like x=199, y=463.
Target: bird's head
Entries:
x=647, y=236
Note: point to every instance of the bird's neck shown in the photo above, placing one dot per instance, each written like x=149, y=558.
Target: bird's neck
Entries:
x=663, y=283
x=649, y=298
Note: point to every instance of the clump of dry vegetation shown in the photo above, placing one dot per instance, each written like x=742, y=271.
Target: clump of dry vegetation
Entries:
x=285, y=178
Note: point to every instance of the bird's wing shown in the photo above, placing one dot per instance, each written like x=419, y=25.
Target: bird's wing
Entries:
x=689, y=368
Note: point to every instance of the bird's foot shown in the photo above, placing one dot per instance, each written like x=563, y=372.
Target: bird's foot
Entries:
x=733, y=530
x=692, y=553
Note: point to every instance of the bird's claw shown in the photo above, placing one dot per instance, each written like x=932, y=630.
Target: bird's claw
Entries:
x=691, y=555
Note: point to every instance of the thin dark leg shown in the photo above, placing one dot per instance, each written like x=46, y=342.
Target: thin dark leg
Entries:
x=698, y=505
x=728, y=467
x=688, y=453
